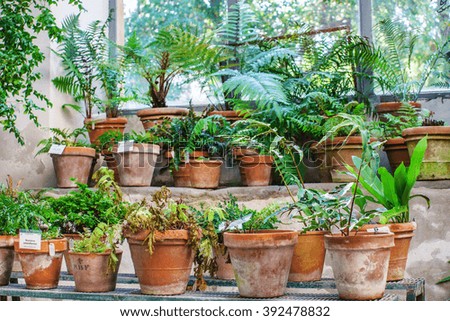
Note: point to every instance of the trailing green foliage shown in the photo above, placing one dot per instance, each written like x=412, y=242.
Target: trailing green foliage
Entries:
x=74, y=138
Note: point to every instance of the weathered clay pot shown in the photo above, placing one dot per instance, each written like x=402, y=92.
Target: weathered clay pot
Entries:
x=40, y=270
x=74, y=162
x=154, y=116
x=96, y=128
x=256, y=170
x=224, y=267
x=393, y=108
x=182, y=176
x=397, y=152
x=111, y=163
x=205, y=173
x=230, y=115
x=261, y=261
x=403, y=233
x=436, y=162
x=6, y=258
x=71, y=238
x=167, y=270
x=309, y=257
x=360, y=263
x=323, y=171
x=136, y=167
x=92, y=273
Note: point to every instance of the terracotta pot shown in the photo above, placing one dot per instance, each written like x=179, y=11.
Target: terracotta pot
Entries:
x=224, y=267
x=111, y=163
x=403, y=233
x=6, y=258
x=256, y=170
x=392, y=107
x=230, y=115
x=71, y=238
x=40, y=270
x=167, y=270
x=74, y=162
x=261, y=261
x=154, y=116
x=397, y=152
x=205, y=173
x=436, y=163
x=309, y=257
x=360, y=263
x=92, y=273
x=239, y=152
x=182, y=176
x=96, y=128
x=323, y=171
x=136, y=167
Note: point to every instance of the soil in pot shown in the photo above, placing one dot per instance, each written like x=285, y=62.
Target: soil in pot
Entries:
x=154, y=116
x=96, y=128
x=360, y=263
x=309, y=257
x=136, y=166
x=74, y=162
x=256, y=170
x=167, y=270
x=92, y=273
x=41, y=270
x=261, y=261
x=6, y=258
x=436, y=162
x=397, y=152
x=205, y=173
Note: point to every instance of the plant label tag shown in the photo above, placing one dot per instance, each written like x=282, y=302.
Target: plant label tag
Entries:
x=172, y=153
x=51, y=249
x=71, y=243
x=383, y=229
x=57, y=149
x=30, y=239
x=186, y=158
x=125, y=146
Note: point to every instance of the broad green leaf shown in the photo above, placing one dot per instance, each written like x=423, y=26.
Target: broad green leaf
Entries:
x=414, y=168
x=388, y=186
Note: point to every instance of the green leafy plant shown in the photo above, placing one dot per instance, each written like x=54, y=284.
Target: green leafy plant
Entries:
x=74, y=138
x=20, y=55
x=407, y=117
x=393, y=192
x=429, y=121
x=111, y=138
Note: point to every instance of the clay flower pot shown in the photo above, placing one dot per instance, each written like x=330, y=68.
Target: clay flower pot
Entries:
x=74, y=162
x=96, y=128
x=224, y=267
x=403, y=233
x=397, y=152
x=261, y=261
x=71, y=238
x=256, y=170
x=92, y=273
x=6, y=258
x=136, y=167
x=182, y=176
x=436, y=162
x=40, y=269
x=154, y=116
x=205, y=173
x=167, y=270
x=360, y=263
x=393, y=108
x=230, y=115
x=309, y=257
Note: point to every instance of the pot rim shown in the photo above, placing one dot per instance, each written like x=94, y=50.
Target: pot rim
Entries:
x=162, y=111
x=60, y=246
x=107, y=253
x=147, y=149
x=426, y=130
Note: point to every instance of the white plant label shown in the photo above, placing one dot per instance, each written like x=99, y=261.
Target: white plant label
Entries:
x=30, y=240
x=186, y=158
x=71, y=243
x=383, y=229
x=51, y=249
x=57, y=149
x=125, y=146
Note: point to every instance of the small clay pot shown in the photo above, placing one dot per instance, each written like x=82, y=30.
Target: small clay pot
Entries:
x=230, y=115
x=397, y=152
x=393, y=108
x=74, y=162
x=6, y=258
x=154, y=116
x=256, y=170
x=92, y=272
x=205, y=173
x=96, y=128
x=224, y=267
x=40, y=269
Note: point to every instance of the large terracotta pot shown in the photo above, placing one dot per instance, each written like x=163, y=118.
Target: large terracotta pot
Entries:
x=167, y=270
x=403, y=233
x=360, y=263
x=205, y=173
x=397, y=152
x=256, y=170
x=6, y=258
x=96, y=128
x=261, y=261
x=182, y=176
x=393, y=108
x=74, y=162
x=92, y=272
x=309, y=257
x=71, y=238
x=136, y=167
x=436, y=162
x=40, y=269
x=154, y=116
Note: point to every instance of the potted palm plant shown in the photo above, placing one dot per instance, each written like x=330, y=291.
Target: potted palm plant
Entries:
x=163, y=236
x=75, y=159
